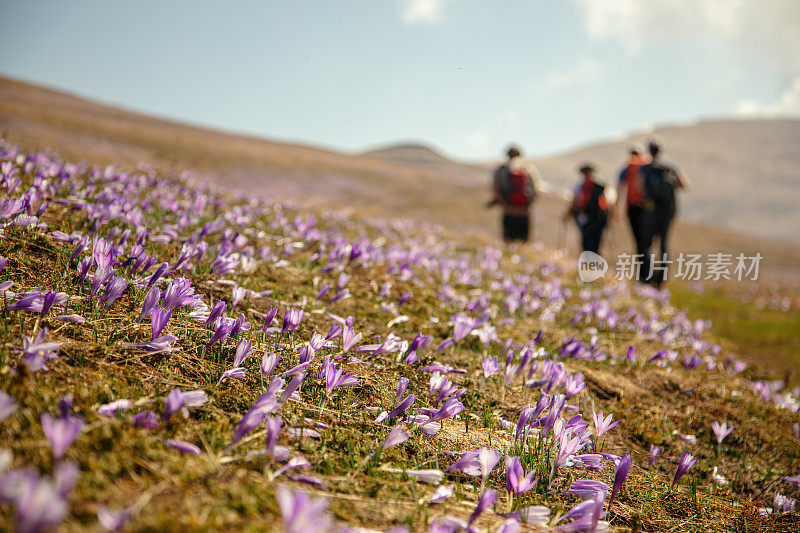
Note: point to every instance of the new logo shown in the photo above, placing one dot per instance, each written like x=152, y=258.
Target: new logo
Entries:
x=591, y=267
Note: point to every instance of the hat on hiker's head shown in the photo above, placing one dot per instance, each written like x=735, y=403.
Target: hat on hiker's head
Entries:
x=653, y=147
x=513, y=151
x=586, y=167
x=636, y=149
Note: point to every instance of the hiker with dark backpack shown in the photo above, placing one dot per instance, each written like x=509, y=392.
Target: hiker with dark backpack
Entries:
x=632, y=187
x=660, y=181
x=514, y=190
x=589, y=209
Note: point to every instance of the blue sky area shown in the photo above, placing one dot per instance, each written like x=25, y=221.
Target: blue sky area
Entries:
x=465, y=76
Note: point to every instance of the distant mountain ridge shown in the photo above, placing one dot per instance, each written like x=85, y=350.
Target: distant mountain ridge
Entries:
x=423, y=156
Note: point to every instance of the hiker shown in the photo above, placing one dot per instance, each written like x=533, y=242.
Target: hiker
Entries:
x=514, y=189
x=631, y=186
x=589, y=208
x=660, y=181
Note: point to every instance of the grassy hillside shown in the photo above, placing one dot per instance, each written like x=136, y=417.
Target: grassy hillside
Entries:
x=176, y=357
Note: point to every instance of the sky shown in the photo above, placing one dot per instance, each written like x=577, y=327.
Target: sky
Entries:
x=464, y=76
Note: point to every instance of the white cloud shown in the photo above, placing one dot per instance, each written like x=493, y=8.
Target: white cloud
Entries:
x=766, y=31
x=787, y=103
x=422, y=11
x=584, y=72
x=479, y=140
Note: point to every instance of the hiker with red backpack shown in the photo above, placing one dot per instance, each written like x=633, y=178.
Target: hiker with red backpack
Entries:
x=589, y=209
x=632, y=187
x=514, y=190
x=660, y=181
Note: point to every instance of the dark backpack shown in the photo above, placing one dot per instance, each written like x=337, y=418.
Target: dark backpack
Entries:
x=516, y=186
x=594, y=209
x=659, y=183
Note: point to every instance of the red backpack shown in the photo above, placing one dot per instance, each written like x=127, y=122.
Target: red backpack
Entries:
x=517, y=188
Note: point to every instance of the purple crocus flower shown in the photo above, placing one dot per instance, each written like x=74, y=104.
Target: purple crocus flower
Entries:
x=61, y=432
x=219, y=308
x=451, y=407
x=685, y=464
x=150, y=301
x=490, y=366
x=301, y=513
x=517, y=481
x=655, y=451
x=783, y=504
x=467, y=464
x=114, y=408
x=406, y=296
x=273, y=425
x=183, y=447
x=721, y=430
x=293, y=385
x=243, y=351
x=179, y=293
x=158, y=320
x=239, y=325
x=294, y=463
x=402, y=406
x=48, y=299
x=7, y=405
x=462, y=325
x=40, y=504
x=602, y=425
x=112, y=520
x=587, y=489
x=349, y=339
x=147, y=419
x=73, y=319
x=586, y=515
x=162, y=268
x=486, y=500
x=396, y=436
x=114, y=290
x=445, y=344
x=269, y=317
x=574, y=384
x=178, y=400
x=238, y=295
x=488, y=458
x=302, y=367
x=222, y=331
x=292, y=319
x=511, y=525
x=269, y=361
x=441, y=494
x=621, y=470
x=36, y=352
x=792, y=480
x=402, y=385
x=336, y=377
x=233, y=373
x=265, y=404
x=567, y=447
x=522, y=421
